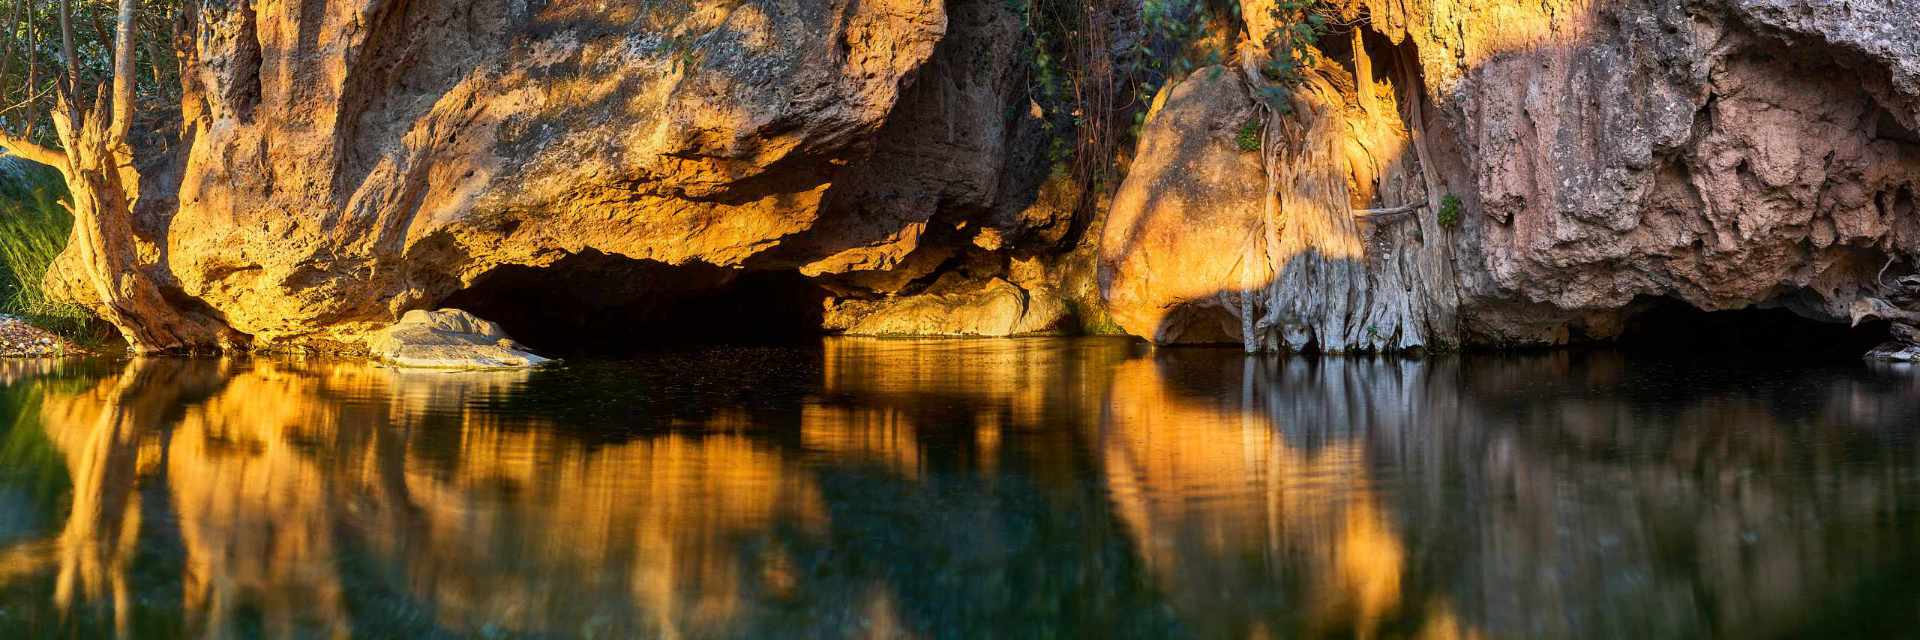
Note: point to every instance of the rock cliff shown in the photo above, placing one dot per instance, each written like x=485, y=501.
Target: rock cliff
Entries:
x=1725, y=154
x=1473, y=171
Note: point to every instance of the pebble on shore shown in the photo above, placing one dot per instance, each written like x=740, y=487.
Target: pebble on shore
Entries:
x=18, y=339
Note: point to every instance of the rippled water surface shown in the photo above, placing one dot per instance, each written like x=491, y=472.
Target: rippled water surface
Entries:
x=994, y=489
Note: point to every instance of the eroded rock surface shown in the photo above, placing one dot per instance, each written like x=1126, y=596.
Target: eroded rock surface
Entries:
x=345, y=162
x=1726, y=154
x=996, y=308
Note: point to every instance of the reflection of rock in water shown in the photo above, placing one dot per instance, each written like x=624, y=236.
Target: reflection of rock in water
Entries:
x=1574, y=495
x=1224, y=502
x=998, y=488
x=515, y=527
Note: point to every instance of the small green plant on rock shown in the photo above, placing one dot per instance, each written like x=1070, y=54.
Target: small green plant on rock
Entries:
x=1248, y=138
x=1449, y=215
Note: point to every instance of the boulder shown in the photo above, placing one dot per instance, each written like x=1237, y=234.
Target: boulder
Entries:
x=448, y=339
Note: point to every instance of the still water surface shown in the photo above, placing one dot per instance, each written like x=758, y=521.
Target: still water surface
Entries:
x=1005, y=489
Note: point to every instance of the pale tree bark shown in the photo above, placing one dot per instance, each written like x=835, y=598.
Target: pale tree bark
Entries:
x=104, y=188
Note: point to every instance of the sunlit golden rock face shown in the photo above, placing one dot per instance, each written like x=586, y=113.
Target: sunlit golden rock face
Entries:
x=1238, y=225
x=351, y=160
x=1726, y=154
x=347, y=161
x=423, y=144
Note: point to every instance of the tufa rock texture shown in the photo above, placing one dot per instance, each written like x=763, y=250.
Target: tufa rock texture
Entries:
x=1724, y=153
x=1537, y=171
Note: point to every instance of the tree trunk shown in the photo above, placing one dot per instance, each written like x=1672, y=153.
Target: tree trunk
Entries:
x=125, y=274
x=104, y=188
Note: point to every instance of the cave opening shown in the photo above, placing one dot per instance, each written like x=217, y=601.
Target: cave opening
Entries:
x=1671, y=328
x=593, y=303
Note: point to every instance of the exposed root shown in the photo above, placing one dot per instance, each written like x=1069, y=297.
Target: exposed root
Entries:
x=1898, y=304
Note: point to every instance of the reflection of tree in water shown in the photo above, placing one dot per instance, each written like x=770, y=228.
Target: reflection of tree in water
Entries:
x=523, y=528
x=967, y=489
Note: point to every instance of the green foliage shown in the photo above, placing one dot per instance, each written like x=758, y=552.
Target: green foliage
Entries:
x=1094, y=66
x=1291, y=46
x=1248, y=138
x=31, y=58
x=1449, y=215
x=1168, y=46
x=29, y=462
x=34, y=225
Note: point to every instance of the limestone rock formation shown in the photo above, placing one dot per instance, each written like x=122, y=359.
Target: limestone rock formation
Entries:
x=354, y=159
x=448, y=339
x=1202, y=245
x=996, y=308
x=1725, y=153
x=345, y=162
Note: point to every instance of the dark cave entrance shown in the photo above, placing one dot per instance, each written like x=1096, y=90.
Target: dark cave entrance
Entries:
x=1667, y=327
x=593, y=303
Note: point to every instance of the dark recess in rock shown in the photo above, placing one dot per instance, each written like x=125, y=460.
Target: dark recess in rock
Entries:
x=1671, y=328
x=596, y=304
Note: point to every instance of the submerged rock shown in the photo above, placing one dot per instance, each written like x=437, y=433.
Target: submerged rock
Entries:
x=448, y=339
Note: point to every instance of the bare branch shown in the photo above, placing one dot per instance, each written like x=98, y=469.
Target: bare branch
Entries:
x=29, y=100
x=123, y=71
x=27, y=150
x=33, y=65
x=1389, y=211
x=71, y=80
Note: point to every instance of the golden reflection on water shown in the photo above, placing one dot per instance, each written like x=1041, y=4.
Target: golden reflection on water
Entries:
x=267, y=468
x=1219, y=502
x=1248, y=493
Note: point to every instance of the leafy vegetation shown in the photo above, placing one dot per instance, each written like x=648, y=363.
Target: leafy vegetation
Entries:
x=33, y=62
x=34, y=225
x=1449, y=215
x=1248, y=137
x=1291, y=50
x=1095, y=65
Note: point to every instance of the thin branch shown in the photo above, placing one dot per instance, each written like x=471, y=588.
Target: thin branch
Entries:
x=27, y=150
x=1389, y=211
x=33, y=66
x=72, y=78
x=30, y=99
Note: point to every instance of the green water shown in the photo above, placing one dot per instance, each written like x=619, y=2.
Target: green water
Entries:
x=961, y=489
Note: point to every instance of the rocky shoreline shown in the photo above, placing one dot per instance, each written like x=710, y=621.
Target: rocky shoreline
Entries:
x=20, y=339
